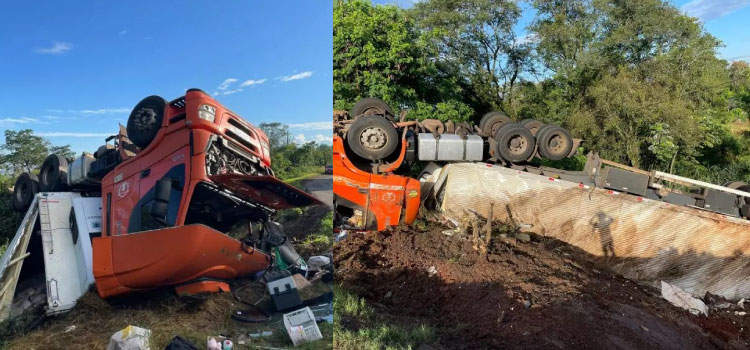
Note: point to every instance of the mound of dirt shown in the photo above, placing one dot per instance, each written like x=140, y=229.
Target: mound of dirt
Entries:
x=538, y=294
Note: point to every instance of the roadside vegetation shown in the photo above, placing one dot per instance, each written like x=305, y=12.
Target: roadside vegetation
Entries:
x=356, y=326
x=639, y=81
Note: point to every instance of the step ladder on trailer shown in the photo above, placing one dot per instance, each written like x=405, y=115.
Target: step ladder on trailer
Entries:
x=67, y=222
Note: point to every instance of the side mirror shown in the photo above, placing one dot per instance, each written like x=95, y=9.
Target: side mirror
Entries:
x=162, y=192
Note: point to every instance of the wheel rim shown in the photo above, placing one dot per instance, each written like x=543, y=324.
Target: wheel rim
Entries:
x=145, y=119
x=557, y=144
x=517, y=144
x=372, y=111
x=373, y=138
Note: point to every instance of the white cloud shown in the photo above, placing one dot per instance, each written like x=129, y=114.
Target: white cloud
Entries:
x=301, y=139
x=226, y=83
x=527, y=39
x=72, y=134
x=57, y=48
x=707, y=10
x=55, y=111
x=252, y=82
x=216, y=93
x=312, y=126
x=123, y=32
x=324, y=139
x=18, y=120
x=297, y=76
x=101, y=111
x=229, y=92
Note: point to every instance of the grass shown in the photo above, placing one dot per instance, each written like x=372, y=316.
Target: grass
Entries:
x=357, y=326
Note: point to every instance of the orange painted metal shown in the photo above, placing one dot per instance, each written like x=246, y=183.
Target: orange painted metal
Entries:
x=382, y=198
x=170, y=256
x=202, y=287
x=126, y=261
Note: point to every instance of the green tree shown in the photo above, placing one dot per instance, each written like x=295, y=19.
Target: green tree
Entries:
x=22, y=151
x=478, y=39
x=278, y=133
x=378, y=51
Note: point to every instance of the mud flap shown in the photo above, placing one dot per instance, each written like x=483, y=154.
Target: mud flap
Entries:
x=266, y=190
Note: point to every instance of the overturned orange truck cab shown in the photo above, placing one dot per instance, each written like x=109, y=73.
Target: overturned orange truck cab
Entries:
x=187, y=173
x=371, y=201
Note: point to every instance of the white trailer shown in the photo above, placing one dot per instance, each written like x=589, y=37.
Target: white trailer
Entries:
x=65, y=221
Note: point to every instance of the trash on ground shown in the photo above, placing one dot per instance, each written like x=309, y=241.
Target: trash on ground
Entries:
x=218, y=342
x=283, y=292
x=341, y=236
x=301, y=326
x=130, y=338
x=323, y=312
x=432, y=271
x=70, y=328
x=318, y=262
x=300, y=281
x=261, y=334
x=683, y=299
x=180, y=343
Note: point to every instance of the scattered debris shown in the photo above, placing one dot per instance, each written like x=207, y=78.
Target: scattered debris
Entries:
x=283, y=291
x=318, y=262
x=300, y=281
x=432, y=271
x=683, y=299
x=130, y=338
x=740, y=313
x=70, y=329
x=524, y=237
x=261, y=334
x=341, y=236
x=301, y=326
x=323, y=312
x=180, y=343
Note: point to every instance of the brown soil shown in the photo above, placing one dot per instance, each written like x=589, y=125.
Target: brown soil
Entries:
x=538, y=294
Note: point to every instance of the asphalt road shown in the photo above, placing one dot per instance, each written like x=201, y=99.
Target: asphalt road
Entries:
x=320, y=187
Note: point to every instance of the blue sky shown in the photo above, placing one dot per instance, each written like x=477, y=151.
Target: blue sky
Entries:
x=72, y=71
x=725, y=19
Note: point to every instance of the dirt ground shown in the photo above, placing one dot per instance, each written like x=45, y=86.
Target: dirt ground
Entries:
x=537, y=294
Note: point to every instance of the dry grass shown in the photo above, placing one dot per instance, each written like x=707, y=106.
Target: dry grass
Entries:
x=96, y=320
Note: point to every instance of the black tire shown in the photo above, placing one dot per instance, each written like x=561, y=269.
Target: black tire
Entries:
x=492, y=121
x=514, y=143
x=741, y=186
x=371, y=106
x=554, y=142
x=532, y=125
x=378, y=132
x=26, y=187
x=145, y=120
x=53, y=176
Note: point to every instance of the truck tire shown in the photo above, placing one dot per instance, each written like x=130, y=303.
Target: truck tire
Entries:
x=145, y=120
x=26, y=187
x=532, y=124
x=741, y=186
x=514, y=143
x=492, y=121
x=554, y=142
x=371, y=106
x=372, y=137
x=53, y=176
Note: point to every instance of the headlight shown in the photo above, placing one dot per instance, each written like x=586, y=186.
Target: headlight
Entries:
x=207, y=112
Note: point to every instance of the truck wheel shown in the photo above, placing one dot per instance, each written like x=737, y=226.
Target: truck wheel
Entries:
x=27, y=185
x=532, y=124
x=372, y=137
x=554, y=142
x=492, y=121
x=145, y=120
x=53, y=176
x=371, y=106
x=741, y=186
x=514, y=143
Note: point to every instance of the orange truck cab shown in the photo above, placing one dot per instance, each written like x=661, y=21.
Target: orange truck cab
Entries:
x=368, y=201
x=169, y=203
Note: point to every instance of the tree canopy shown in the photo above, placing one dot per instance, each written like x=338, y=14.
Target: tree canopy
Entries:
x=639, y=81
x=24, y=152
